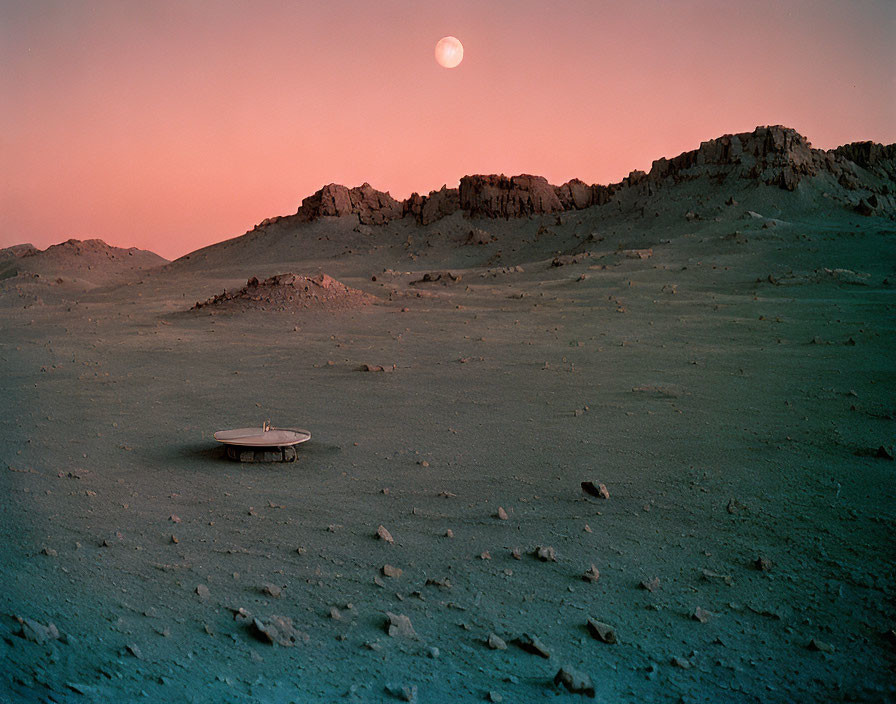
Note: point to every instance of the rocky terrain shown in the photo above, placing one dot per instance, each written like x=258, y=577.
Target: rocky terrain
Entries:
x=288, y=292
x=631, y=441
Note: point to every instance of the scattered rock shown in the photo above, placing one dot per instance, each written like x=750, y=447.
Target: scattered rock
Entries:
x=37, y=632
x=516, y=554
x=279, y=630
x=444, y=583
x=710, y=576
x=49, y=552
x=735, y=506
x=399, y=626
x=591, y=575
x=682, y=663
x=532, y=645
x=272, y=590
x=763, y=564
x=202, y=591
x=575, y=682
x=174, y=519
x=598, y=490
x=820, y=646
x=449, y=533
x=650, y=585
x=502, y=514
x=701, y=615
x=134, y=650
x=486, y=555
x=495, y=642
x=494, y=697
x=376, y=368
x=384, y=534
x=545, y=554
x=393, y=572
x=477, y=236
x=403, y=692
x=601, y=631
x=431, y=277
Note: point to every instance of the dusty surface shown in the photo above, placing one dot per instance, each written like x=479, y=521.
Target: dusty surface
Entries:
x=731, y=389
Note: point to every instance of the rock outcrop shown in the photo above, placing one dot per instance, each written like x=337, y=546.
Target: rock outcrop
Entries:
x=435, y=206
x=578, y=195
x=877, y=159
x=775, y=156
x=372, y=207
x=493, y=196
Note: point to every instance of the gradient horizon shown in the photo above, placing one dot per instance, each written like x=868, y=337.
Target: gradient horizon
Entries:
x=173, y=125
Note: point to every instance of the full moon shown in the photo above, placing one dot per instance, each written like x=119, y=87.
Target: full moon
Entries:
x=449, y=52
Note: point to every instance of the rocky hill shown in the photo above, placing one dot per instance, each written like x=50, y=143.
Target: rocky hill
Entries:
x=92, y=261
x=774, y=156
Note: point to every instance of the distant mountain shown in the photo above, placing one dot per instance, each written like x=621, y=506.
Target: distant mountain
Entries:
x=89, y=261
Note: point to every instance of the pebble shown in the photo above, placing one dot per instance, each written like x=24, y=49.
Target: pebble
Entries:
x=384, y=534
x=494, y=697
x=682, y=663
x=202, y=591
x=502, y=514
x=591, y=575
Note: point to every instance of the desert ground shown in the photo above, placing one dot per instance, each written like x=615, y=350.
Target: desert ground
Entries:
x=719, y=358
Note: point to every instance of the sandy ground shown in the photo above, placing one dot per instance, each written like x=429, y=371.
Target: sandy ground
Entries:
x=730, y=418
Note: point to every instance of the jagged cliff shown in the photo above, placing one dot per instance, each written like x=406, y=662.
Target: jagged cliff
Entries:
x=774, y=156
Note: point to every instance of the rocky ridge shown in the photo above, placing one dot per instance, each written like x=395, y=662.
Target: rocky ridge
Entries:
x=775, y=156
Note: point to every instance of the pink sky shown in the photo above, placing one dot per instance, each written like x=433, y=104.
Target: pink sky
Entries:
x=170, y=125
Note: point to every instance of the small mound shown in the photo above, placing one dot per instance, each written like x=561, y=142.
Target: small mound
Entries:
x=289, y=292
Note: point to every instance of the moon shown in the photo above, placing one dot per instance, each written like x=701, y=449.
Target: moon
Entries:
x=449, y=52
